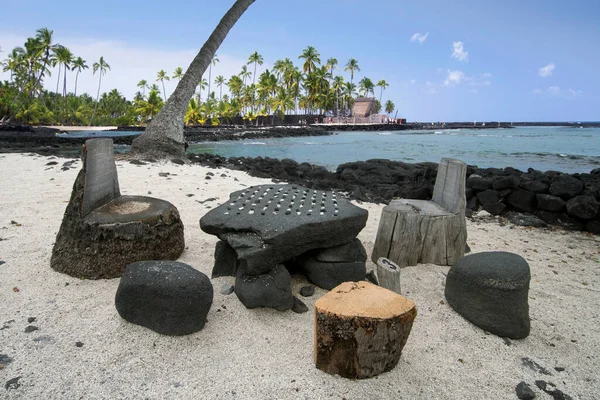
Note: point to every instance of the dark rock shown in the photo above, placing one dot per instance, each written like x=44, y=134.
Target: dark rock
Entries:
x=31, y=319
x=593, y=227
x=469, y=193
x=169, y=297
x=559, y=369
x=2, y=262
x=177, y=161
x=137, y=162
x=584, y=207
x=566, y=186
x=329, y=275
x=524, y=219
x=490, y=289
x=5, y=360
x=508, y=182
x=488, y=196
x=267, y=225
x=521, y=200
x=349, y=252
x=79, y=344
x=478, y=183
x=31, y=328
x=551, y=389
x=299, y=307
x=268, y=290
x=547, y=216
x=226, y=262
x=307, y=290
x=226, y=290
x=472, y=203
x=549, y=202
x=13, y=383
x=534, y=186
x=494, y=208
x=52, y=163
x=524, y=392
x=372, y=277
x=528, y=362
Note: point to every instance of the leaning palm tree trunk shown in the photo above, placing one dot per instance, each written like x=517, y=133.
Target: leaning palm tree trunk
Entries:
x=164, y=135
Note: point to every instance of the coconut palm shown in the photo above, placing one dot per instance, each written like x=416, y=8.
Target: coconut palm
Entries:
x=164, y=136
x=201, y=86
x=383, y=85
x=245, y=74
x=66, y=58
x=256, y=59
x=79, y=65
x=389, y=107
x=214, y=61
x=366, y=86
x=149, y=108
x=219, y=81
x=311, y=59
x=101, y=67
x=162, y=77
x=178, y=74
x=143, y=84
x=352, y=66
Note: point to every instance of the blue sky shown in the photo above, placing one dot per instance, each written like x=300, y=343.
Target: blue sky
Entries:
x=471, y=60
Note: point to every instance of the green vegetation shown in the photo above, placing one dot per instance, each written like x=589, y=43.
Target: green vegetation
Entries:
x=312, y=87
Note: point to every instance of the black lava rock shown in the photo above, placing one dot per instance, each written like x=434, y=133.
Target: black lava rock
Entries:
x=478, y=183
x=508, y=182
x=521, y=200
x=299, y=307
x=584, y=207
x=494, y=208
x=268, y=290
x=31, y=328
x=524, y=392
x=169, y=297
x=534, y=186
x=490, y=289
x=548, y=202
x=79, y=344
x=13, y=383
x=566, y=186
x=226, y=262
x=349, y=252
x=488, y=196
x=307, y=290
x=226, y=290
x=329, y=275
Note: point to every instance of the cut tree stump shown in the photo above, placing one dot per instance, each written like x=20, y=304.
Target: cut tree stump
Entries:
x=420, y=231
x=388, y=274
x=361, y=329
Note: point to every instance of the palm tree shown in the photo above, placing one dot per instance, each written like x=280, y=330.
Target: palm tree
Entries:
x=383, y=85
x=352, y=66
x=178, y=73
x=256, y=59
x=101, y=66
x=201, y=85
x=143, y=84
x=66, y=58
x=162, y=77
x=149, y=108
x=389, y=107
x=311, y=59
x=366, y=86
x=41, y=45
x=245, y=74
x=219, y=81
x=79, y=65
x=164, y=136
x=214, y=61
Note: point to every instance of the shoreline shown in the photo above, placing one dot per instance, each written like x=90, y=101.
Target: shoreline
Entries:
x=445, y=356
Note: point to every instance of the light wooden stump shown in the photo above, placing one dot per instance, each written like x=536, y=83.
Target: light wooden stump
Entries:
x=388, y=274
x=420, y=231
x=361, y=329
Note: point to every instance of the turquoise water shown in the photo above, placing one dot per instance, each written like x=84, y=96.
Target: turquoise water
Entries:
x=563, y=149
x=92, y=133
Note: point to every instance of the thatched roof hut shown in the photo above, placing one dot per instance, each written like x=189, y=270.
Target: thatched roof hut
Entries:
x=363, y=107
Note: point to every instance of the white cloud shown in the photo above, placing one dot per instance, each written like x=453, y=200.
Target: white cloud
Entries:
x=487, y=75
x=547, y=70
x=413, y=81
x=537, y=91
x=129, y=64
x=430, y=88
x=459, y=52
x=417, y=37
x=554, y=90
x=474, y=91
x=454, y=78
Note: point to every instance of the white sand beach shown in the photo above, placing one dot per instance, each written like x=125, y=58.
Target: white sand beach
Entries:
x=262, y=353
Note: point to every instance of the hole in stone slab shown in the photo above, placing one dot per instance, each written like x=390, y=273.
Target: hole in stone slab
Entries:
x=251, y=212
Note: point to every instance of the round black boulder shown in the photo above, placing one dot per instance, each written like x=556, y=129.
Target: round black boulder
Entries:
x=490, y=290
x=169, y=297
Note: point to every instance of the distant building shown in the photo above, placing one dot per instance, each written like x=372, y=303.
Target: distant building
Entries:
x=363, y=107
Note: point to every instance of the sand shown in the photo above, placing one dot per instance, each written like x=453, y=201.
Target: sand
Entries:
x=266, y=354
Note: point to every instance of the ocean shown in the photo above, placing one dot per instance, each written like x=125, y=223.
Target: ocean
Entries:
x=565, y=149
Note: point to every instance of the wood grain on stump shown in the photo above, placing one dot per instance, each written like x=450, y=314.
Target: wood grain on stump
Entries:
x=360, y=329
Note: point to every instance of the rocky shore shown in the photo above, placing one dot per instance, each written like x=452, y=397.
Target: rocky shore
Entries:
x=532, y=198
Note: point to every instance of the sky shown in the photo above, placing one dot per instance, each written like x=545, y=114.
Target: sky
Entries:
x=445, y=60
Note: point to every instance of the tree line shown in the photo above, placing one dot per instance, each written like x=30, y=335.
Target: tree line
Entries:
x=312, y=87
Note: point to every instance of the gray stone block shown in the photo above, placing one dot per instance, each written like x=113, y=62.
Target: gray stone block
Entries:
x=271, y=290
x=490, y=290
x=329, y=275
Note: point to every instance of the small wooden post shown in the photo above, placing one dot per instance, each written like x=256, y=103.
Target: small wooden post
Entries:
x=361, y=329
x=388, y=274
